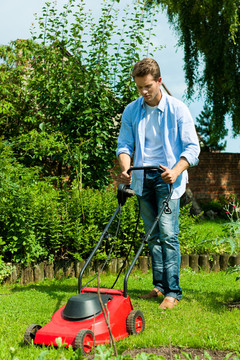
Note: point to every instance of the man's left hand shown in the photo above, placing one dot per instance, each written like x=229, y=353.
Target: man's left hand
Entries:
x=169, y=176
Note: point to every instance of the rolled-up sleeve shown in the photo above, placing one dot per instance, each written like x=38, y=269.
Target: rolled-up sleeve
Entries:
x=189, y=138
x=126, y=136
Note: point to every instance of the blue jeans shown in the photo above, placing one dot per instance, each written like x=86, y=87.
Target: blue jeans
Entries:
x=163, y=243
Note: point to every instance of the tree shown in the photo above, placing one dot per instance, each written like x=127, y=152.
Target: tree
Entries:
x=205, y=129
x=71, y=83
x=209, y=33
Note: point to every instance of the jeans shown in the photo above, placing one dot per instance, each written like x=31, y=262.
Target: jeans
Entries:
x=163, y=243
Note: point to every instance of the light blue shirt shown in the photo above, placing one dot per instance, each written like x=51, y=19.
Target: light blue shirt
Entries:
x=178, y=135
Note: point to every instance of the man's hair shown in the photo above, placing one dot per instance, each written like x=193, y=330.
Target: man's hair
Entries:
x=145, y=67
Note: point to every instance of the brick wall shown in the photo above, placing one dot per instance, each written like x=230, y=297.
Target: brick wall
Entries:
x=217, y=174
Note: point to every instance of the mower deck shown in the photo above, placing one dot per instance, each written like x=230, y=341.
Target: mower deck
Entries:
x=118, y=308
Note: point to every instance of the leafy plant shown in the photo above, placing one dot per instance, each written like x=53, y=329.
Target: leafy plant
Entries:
x=41, y=222
x=232, y=209
x=64, y=90
x=188, y=235
x=5, y=269
x=234, y=269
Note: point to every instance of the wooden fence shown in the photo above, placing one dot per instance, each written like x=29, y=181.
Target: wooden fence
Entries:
x=66, y=269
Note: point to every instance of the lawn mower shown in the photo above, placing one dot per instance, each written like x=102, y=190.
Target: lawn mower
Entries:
x=81, y=323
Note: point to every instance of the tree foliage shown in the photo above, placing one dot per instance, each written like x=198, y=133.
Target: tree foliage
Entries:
x=204, y=128
x=65, y=89
x=209, y=33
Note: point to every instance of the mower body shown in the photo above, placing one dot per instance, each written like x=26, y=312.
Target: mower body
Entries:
x=66, y=324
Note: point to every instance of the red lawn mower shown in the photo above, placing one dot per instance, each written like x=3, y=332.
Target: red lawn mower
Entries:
x=81, y=322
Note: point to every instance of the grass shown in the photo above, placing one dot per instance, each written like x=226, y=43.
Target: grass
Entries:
x=216, y=236
x=212, y=228
x=201, y=320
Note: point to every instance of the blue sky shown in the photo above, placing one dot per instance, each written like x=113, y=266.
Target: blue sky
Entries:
x=16, y=18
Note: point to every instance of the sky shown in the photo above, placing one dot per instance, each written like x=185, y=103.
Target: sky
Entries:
x=16, y=18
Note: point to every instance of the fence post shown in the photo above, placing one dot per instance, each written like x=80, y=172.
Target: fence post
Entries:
x=234, y=260
x=224, y=258
x=184, y=261
x=215, y=263
x=193, y=262
x=143, y=263
x=204, y=262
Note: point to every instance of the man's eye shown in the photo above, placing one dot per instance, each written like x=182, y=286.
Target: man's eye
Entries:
x=144, y=87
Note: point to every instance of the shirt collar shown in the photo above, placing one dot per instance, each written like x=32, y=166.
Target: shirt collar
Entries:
x=161, y=104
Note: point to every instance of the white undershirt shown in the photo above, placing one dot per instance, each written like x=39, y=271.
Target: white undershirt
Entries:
x=153, y=150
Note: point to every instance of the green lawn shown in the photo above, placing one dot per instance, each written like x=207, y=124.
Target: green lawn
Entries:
x=201, y=320
x=211, y=228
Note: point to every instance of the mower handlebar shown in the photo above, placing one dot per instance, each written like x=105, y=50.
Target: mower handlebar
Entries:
x=145, y=168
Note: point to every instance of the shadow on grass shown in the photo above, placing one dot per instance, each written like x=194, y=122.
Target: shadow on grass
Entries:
x=209, y=298
x=57, y=291
x=214, y=301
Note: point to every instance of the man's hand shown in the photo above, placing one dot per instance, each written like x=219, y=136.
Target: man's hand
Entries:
x=169, y=176
x=125, y=178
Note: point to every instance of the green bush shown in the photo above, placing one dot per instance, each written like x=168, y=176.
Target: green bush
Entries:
x=188, y=235
x=29, y=211
x=217, y=206
x=41, y=222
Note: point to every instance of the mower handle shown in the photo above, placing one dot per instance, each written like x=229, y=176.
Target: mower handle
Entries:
x=145, y=168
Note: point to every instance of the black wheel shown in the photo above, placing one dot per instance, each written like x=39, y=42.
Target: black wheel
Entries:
x=30, y=333
x=135, y=322
x=85, y=340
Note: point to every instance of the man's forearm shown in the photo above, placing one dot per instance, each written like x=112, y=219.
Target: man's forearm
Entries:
x=181, y=166
x=124, y=161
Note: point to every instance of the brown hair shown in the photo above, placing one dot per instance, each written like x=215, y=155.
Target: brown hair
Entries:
x=145, y=67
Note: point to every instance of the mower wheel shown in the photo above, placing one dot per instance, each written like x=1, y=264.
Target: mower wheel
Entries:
x=135, y=322
x=85, y=340
x=30, y=333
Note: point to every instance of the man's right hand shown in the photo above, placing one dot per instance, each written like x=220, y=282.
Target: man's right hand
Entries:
x=125, y=164
x=125, y=178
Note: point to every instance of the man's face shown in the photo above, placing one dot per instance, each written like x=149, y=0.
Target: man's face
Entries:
x=149, y=89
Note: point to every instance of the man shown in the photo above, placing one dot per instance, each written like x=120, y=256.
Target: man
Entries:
x=159, y=130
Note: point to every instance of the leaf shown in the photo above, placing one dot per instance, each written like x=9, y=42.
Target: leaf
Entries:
x=42, y=126
x=207, y=356
x=42, y=355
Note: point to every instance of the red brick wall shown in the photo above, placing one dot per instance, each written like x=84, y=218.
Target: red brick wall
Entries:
x=217, y=174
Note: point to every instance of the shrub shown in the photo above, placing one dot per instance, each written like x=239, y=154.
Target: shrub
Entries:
x=41, y=222
x=188, y=235
x=216, y=206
